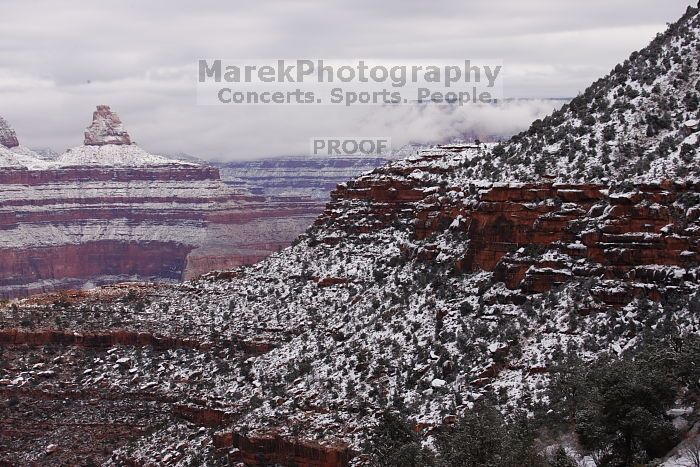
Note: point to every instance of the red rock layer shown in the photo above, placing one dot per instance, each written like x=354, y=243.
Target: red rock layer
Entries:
x=64, y=228
x=95, y=340
x=24, y=272
x=102, y=174
x=272, y=449
x=633, y=236
x=102, y=340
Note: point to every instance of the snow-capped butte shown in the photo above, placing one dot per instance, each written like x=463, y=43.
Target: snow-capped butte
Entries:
x=8, y=138
x=106, y=128
x=107, y=144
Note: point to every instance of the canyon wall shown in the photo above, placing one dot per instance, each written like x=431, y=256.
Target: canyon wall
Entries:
x=108, y=211
x=537, y=236
x=301, y=176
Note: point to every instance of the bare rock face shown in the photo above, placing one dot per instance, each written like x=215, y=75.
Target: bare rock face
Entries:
x=106, y=128
x=8, y=138
x=271, y=448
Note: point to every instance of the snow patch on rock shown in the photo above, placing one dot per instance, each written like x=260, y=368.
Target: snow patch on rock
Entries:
x=114, y=155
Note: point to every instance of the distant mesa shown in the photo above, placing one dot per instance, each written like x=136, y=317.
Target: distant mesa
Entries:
x=106, y=128
x=8, y=138
x=109, y=211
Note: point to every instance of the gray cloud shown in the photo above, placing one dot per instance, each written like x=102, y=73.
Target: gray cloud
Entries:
x=139, y=57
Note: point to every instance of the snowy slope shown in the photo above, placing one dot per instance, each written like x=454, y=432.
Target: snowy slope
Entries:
x=113, y=155
x=400, y=327
x=635, y=124
x=9, y=160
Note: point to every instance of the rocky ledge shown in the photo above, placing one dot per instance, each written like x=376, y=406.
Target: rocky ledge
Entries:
x=537, y=236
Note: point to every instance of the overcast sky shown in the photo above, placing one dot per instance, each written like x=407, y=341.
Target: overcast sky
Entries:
x=58, y=59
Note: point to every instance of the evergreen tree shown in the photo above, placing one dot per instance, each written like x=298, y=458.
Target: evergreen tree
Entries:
x=395, y=444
